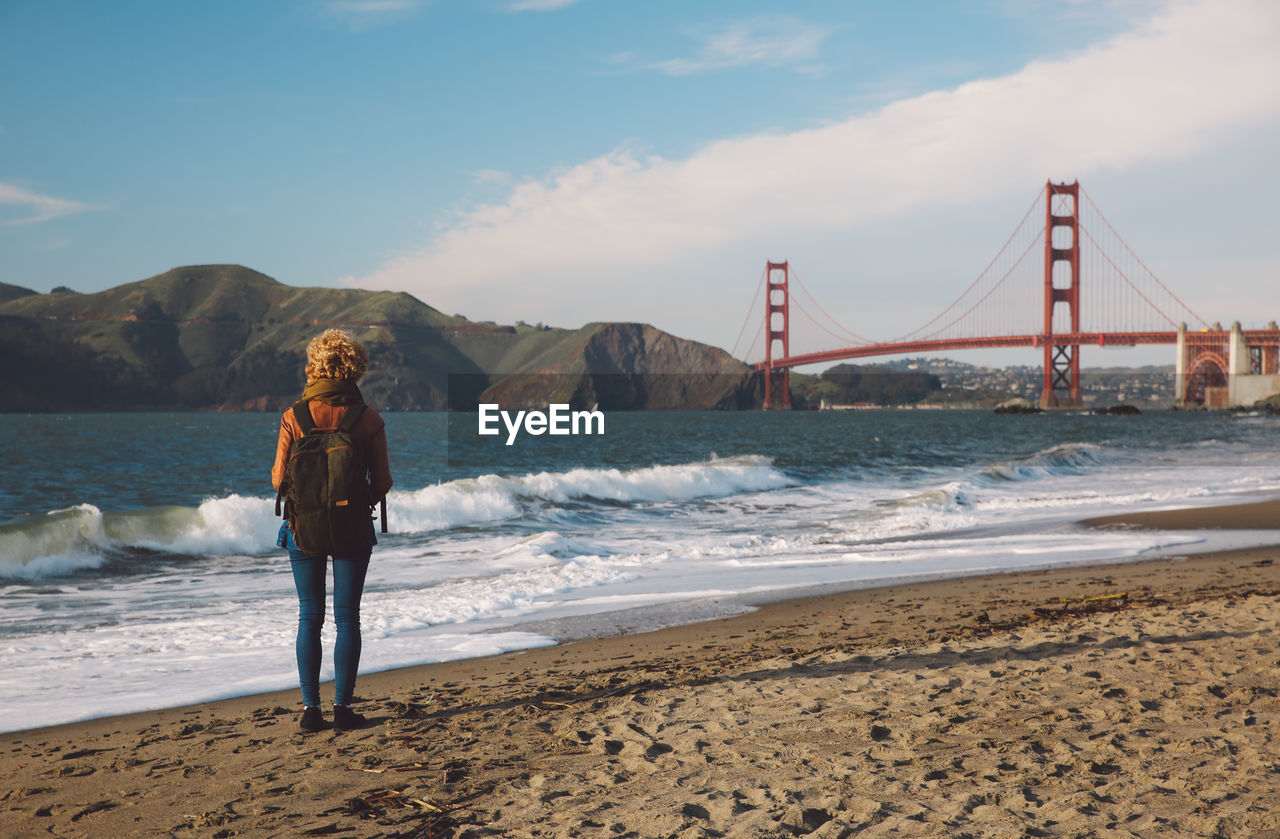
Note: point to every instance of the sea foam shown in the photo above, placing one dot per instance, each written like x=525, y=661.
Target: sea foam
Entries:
x=83, y=537
x=490, y=498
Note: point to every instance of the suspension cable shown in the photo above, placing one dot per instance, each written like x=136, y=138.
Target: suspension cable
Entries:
x=1122, y=276
x=855, y=336
x=795, y=301
x=983, y=298
x=974, y=284
x=1150, y=273
x=751, y=349
x=751, y=311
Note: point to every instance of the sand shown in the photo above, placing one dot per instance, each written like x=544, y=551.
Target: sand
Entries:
x=1134, y=699
x=1262, y=516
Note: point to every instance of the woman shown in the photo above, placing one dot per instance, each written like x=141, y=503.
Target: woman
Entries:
x=335, y=362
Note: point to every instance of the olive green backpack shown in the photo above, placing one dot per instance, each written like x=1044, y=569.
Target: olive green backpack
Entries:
x=326, y=487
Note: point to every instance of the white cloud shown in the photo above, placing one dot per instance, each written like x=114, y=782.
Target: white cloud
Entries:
x=680, y=242
x=33, y=207
x=771, y=41
x=540, y=5
x=1102, y=13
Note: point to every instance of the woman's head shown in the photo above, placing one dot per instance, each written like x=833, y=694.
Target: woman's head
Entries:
x=334, y=354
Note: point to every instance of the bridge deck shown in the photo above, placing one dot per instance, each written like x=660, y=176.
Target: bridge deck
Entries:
x=1255, y=337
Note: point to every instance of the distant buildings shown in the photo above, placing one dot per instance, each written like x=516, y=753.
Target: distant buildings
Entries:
x=1151, y=386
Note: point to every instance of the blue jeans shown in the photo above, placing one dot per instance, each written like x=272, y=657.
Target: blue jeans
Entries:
x=348, y=585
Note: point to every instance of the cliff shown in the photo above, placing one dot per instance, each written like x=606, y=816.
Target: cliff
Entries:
x=229, y=338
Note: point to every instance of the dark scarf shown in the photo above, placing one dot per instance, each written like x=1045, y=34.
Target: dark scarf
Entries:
x=333, y=391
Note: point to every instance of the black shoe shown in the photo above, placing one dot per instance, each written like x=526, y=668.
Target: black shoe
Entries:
x=345, y=719
x=312, y=720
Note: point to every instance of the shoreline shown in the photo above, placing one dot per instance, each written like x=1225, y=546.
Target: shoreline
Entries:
x=676, y=615
x=808, y=695
x=1255, y=515
x=755, y=618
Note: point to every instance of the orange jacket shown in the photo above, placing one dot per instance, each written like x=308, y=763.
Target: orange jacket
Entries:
x=370, y=432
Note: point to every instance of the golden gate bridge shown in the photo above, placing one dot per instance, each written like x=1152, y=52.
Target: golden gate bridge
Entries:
x=1062, y=280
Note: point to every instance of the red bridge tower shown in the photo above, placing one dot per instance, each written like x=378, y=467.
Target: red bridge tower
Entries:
x=777, y=303
x=1061, y=359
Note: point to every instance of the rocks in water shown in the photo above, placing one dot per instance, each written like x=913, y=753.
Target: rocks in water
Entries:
x=1117, y=410
x=1018, y=406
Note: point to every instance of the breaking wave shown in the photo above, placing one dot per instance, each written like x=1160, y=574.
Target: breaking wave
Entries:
x=83, y=537
x=1065, y=459
x=489, y=498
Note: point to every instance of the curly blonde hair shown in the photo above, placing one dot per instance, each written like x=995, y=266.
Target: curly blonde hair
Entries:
x=334, y=354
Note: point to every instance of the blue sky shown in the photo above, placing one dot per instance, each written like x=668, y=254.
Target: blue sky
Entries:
x=562, y=161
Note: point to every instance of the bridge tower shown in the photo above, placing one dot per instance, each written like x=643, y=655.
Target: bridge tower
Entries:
x=777, y=303
x=1061, y=359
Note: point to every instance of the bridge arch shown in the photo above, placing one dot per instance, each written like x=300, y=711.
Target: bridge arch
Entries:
x=1209, y=370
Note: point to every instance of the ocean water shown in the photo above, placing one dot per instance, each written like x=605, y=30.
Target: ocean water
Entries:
x=138, y=566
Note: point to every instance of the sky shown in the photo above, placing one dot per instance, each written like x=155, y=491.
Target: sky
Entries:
x=568, y=161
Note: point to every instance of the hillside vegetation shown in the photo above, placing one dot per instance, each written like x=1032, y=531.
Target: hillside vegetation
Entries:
x=853, y=384
x=9, y=292
x=227, y=337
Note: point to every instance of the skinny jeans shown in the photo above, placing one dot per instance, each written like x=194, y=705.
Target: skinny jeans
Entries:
x=309, y=572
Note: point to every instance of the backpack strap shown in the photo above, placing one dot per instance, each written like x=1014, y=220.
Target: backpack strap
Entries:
x=348, y=422
x=351, y=416
x=302, y=413
x=307, y=424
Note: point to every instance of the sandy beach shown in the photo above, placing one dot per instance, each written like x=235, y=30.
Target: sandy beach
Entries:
x=1134, y=699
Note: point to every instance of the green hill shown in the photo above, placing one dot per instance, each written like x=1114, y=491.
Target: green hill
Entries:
x=849, y=384
x=9, y=292
x=227, y=337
